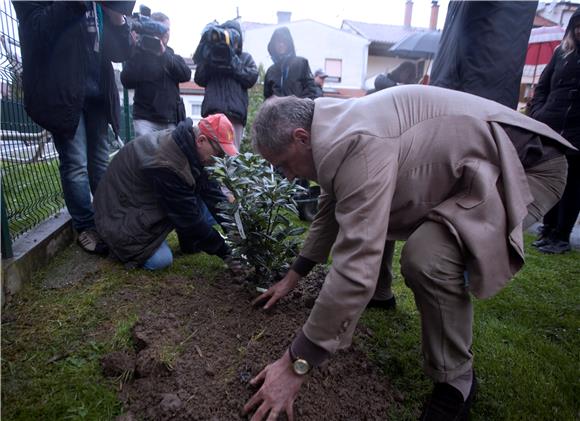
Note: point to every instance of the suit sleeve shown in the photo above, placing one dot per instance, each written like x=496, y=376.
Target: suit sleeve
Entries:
x=363, y=187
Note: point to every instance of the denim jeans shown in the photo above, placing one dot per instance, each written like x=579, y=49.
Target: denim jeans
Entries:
x=83, y=161
x=163, y=256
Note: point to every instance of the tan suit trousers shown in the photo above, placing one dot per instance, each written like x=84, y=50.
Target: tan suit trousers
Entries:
x=434, y=268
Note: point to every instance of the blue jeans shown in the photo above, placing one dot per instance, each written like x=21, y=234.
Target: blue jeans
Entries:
x=163, y=256
x=83, y=161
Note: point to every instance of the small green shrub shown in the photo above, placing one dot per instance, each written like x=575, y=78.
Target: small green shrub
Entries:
x=257, y=222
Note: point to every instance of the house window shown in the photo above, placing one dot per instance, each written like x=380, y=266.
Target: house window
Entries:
x=196, y=110
x=333, y=68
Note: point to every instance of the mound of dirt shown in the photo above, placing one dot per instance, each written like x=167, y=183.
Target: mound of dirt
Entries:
x=198, y=344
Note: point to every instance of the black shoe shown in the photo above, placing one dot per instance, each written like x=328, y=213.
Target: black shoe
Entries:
x=555, y=247
x=544, y=236
x=446, y=403
x=91, y=242
x=389, y=304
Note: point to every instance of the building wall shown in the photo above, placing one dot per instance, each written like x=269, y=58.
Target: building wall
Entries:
x=379, y=64
x=316, y=42
x=559, y=12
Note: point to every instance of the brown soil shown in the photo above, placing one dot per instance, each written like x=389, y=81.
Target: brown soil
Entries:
x=197, y=344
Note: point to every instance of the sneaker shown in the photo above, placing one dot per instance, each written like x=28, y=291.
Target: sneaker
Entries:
x=389, y=304
x=544, y=236
x=91, y=242
x=446, y=403
x=555, y=247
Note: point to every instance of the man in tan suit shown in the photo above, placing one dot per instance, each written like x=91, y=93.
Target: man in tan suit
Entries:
x=456, y=176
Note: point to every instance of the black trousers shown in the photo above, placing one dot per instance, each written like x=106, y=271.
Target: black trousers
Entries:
x=562, y=217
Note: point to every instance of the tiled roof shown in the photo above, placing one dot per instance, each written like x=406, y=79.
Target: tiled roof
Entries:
x=191, y=88
x=377, y=32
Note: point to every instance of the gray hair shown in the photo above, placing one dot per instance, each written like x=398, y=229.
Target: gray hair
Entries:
x=277, y=118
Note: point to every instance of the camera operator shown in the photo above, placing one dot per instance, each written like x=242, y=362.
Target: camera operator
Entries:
x=69, y=89
x=226, y=73
x=154, y=71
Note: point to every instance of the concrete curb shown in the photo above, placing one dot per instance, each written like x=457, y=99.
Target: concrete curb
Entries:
x=33, y=251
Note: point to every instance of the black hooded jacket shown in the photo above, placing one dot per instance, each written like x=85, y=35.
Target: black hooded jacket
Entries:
x=289, y=75
x=56, y=59
x=156, y=82
x=226, y=90
x=556, y=99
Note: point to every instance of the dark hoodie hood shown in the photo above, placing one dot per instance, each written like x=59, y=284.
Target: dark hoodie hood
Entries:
x=234, y=24
x=570, y=28
x=573, y=20
x=282, y=33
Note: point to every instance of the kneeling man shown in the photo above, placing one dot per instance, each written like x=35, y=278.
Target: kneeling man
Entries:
x=157, y=183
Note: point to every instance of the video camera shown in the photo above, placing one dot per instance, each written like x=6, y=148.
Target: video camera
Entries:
x=149, y=31
x=217, y=47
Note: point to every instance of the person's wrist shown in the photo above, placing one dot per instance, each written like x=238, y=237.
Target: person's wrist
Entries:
x=300, y=366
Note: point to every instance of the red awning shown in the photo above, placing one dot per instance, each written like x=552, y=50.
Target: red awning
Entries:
x=543, y=42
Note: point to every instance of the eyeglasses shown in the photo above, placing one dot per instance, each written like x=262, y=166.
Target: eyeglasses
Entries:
x=217, y=149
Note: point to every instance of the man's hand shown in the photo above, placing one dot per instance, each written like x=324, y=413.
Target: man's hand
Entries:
x=278, y=290
x=233, y=264
x=280, y=386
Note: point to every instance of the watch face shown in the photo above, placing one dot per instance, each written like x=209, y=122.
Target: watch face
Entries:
x=301, y=367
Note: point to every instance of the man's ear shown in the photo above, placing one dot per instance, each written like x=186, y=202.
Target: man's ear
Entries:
x=200, y=139
x=302, y=136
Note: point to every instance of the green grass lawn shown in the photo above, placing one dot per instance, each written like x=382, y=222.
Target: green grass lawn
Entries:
x=526, y=344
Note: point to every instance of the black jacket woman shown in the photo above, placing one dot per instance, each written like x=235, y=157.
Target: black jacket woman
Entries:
x=556, y=102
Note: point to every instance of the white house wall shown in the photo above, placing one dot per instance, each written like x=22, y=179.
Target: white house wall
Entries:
x=379, y=64
x=316, y=42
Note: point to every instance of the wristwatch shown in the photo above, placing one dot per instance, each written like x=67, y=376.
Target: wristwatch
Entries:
x=299, y=365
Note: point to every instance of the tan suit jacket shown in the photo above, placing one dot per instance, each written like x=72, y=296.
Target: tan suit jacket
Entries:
x=395, y=159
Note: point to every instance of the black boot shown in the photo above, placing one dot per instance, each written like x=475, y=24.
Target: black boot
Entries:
x=446, y=403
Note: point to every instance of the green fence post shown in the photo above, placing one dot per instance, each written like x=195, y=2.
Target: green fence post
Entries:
x=6, y=240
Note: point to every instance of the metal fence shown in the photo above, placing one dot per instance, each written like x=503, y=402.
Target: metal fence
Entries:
x=31, y=190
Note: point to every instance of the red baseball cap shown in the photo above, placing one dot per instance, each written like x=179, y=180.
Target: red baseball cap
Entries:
x=217, y=127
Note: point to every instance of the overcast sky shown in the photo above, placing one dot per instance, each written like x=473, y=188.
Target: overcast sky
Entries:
x=188, y=18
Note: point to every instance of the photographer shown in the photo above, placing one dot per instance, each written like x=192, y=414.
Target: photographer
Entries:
x=154, y=72
x=226, y=73
x=69, y=89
